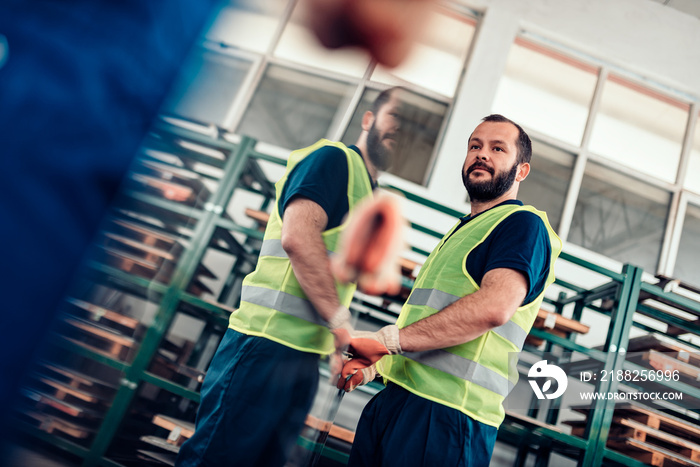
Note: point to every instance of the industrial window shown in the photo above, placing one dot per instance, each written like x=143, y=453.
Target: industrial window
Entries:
x=686, y=268
x=546, y=91
x=620, y=217
x=298, y=44
x=421, y=122
x=248, y=24
x=547, y=185
x=692, y=177
x=437, y=60
x=640, y=128
x=261, y=73
x=293, y=109
x=207, y=86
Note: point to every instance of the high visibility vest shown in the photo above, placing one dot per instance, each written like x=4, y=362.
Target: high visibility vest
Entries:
x=273, y=304
x=474, y=377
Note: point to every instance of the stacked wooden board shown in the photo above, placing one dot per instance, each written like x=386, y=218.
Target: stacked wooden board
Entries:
x=659, y=438
x=649, y=435
x=63, y=401
x=146, y=252
x=556, y=324
x=165, y=449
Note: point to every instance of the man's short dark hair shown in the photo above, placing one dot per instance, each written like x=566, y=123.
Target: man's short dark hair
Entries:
x=523, y=143
x=383, y=98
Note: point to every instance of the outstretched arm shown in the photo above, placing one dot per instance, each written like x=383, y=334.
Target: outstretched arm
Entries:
x=502, y=292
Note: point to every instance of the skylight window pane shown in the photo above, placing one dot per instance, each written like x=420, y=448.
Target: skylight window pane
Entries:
x=546, y=91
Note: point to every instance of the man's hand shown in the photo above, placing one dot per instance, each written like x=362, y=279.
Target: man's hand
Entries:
x=341, y=328
x=342, y=331
x=368, y=347
x=362, y=377
x=387, y=29
x=370, y=246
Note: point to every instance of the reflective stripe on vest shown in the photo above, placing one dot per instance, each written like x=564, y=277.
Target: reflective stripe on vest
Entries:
x=438, y=300
x=282, y=302
x=463, y=368
x=273, y=247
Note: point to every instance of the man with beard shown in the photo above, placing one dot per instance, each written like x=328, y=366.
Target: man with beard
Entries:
x=264, y=376
x=449, y=361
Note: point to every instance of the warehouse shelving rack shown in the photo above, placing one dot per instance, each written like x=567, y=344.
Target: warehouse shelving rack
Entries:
x=205, y=219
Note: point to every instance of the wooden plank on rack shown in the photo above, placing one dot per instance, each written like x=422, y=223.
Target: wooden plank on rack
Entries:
x=168, y=190
x=98, y=312
x=180, y=430
x=646, y=434
x=261, y=217
x=408, y=267
x=102, y=332
x=130, y=263
x=118, y=345
x=147, y=252
x=160, y=443
x=530, y=422
x=662, y=362
x=650, y=454
x=51, y=424
x=654, y=419
x=71, y=409
x=75, y=378
x=63, y=390
x=149, y=236
x=333, y=430
x=554, y=321
x=684, y=353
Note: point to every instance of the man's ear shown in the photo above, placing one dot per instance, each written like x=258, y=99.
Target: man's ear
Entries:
x=523, y=171
x=367, y=120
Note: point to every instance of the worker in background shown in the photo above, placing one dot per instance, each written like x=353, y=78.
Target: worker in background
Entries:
x=264, y=375
x=80, y=84
x=449, y=361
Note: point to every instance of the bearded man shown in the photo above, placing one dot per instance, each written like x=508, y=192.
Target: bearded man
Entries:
x=449, y=361
x=264, y=376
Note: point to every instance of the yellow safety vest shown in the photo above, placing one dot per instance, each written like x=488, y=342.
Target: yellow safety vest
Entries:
x=474, y=377
x=273, y=304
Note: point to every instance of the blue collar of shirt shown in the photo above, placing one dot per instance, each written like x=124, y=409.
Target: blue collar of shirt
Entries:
x=467, y=218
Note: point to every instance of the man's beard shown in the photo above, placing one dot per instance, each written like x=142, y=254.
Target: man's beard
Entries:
x=379, y=155
x=489, y=190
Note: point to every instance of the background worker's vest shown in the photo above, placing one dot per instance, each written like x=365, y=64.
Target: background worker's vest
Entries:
x=273, y=304
x=474, y=377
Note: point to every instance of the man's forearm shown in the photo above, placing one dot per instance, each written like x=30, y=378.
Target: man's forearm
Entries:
x=302, y=240
x=502, y=291
x=312, y=269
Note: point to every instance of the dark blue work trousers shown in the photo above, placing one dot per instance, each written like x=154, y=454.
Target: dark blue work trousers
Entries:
x=255, y=399
x=398, y=428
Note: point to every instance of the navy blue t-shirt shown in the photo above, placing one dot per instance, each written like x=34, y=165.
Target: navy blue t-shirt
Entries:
x=322, y=177
x=519, y=242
